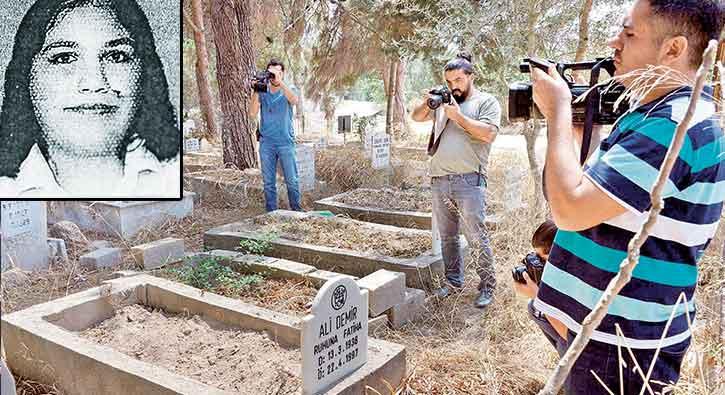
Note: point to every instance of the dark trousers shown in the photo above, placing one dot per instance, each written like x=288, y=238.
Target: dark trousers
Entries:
x=603, y=359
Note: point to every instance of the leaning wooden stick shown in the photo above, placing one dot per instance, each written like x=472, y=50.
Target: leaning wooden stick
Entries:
x=592, y=321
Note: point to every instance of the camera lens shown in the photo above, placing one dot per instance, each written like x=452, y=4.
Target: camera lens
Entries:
x=435, y=101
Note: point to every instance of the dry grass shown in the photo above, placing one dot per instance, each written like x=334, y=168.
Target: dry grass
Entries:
x=412, y=199
x=453, y=348
x=348, y=234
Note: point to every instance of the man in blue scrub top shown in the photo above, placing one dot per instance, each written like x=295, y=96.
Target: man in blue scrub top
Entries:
x=277, y=140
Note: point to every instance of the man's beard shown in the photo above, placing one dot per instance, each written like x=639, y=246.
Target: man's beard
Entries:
x=461, y=96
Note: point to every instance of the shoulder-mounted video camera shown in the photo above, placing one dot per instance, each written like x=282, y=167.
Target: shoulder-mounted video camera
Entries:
x=598, y=107
x=261, y=80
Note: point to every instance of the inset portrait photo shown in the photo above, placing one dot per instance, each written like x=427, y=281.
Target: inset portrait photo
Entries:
x=90, y=99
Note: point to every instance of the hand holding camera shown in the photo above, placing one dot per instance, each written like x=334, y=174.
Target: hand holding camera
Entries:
x=261, y=80
x=438, y=96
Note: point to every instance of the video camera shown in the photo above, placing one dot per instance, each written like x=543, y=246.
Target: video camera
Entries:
x=531, y=264
x=602, y=97
x=598, y=107
x=261, y=80
x=439, y=96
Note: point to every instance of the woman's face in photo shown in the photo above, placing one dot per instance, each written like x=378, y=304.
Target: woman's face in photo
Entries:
x=84, y=82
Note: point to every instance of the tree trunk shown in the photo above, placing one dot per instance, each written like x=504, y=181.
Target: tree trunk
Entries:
x=391, y=98
x=531, y=128
x=235, y=64
x=581, y=49
x=202, y=71
x=400, y=113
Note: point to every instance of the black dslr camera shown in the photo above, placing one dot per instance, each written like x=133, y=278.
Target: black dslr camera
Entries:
x=439, y=96
x=532, y=265
x=599, y=104
x=261, y=80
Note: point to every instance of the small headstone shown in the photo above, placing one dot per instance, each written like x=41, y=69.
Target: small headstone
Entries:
x=189, y=127
x=321, y=144
x=381, y=151
x=57, y=249
x=513, y=185
x=334, y=335
x=305, y=155
x=192, y=145
x=68, y=231
x=101, y=259
x=23, y=235
x=368, y=143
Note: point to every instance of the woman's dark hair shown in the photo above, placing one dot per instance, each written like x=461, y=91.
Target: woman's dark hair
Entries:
x=461, y=62
x=154, y=120
x=544, y=235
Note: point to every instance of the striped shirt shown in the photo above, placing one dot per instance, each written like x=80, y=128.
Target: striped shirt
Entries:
x=625, y=166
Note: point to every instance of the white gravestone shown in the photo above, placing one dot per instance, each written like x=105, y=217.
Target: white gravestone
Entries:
x=321, y=144
x=512, y=198
x=381, y=151
x=305, y=159
x=368, y=143
x=189, y=127
x=334, y=335
x=192, y=145
x=23, y=235
x=305, y=155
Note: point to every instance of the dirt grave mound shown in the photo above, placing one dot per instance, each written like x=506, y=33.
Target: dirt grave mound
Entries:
x=213, y=353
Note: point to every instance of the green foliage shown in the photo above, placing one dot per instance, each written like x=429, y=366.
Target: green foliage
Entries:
x=369, y=87
x=260, y=246
x=362, y=125
x=210, y=275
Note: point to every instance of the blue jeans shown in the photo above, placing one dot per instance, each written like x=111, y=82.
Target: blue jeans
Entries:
x=269, y=153
x=459, y=199
x=603, y=359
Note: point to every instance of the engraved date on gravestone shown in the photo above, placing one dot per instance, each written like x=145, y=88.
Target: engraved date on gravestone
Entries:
x=334, y=335
x=15, y=218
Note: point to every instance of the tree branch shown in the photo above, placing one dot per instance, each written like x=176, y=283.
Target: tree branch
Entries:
x=190, y=22
x=595, y=317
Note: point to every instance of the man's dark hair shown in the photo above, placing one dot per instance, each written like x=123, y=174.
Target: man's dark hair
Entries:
x=461, y=62
x=154, y=120
x=275, y=62
x=544, y=235
x=697, y=20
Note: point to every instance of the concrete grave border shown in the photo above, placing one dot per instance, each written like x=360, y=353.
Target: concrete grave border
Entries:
x=120, y=217
x=421, y=272
x=44, y=333
x=401, y=218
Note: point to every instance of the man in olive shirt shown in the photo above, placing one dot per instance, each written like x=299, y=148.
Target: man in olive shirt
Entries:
x=463, y=133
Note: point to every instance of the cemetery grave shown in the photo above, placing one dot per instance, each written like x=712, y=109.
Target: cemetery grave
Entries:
x=236, y=346
x=124, y=218
x=337, y=244
x=287, y=286
x=231, y=187
x=404, y=207
x=200, y=161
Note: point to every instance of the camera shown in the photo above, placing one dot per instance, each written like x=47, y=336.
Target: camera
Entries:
x=531, y=264
x=599, y=105
x=261, y=80
x=439, y=96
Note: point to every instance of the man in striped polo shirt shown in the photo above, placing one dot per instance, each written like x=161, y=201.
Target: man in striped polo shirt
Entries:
x=600, y=207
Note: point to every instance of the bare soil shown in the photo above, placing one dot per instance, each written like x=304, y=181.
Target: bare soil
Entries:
x=213, y=353
x=348, y=234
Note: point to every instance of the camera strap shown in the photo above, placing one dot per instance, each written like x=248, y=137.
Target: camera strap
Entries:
x=592, y=106
x=434, y=142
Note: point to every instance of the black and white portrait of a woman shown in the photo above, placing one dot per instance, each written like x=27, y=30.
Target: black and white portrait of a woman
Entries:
x=86, y=110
